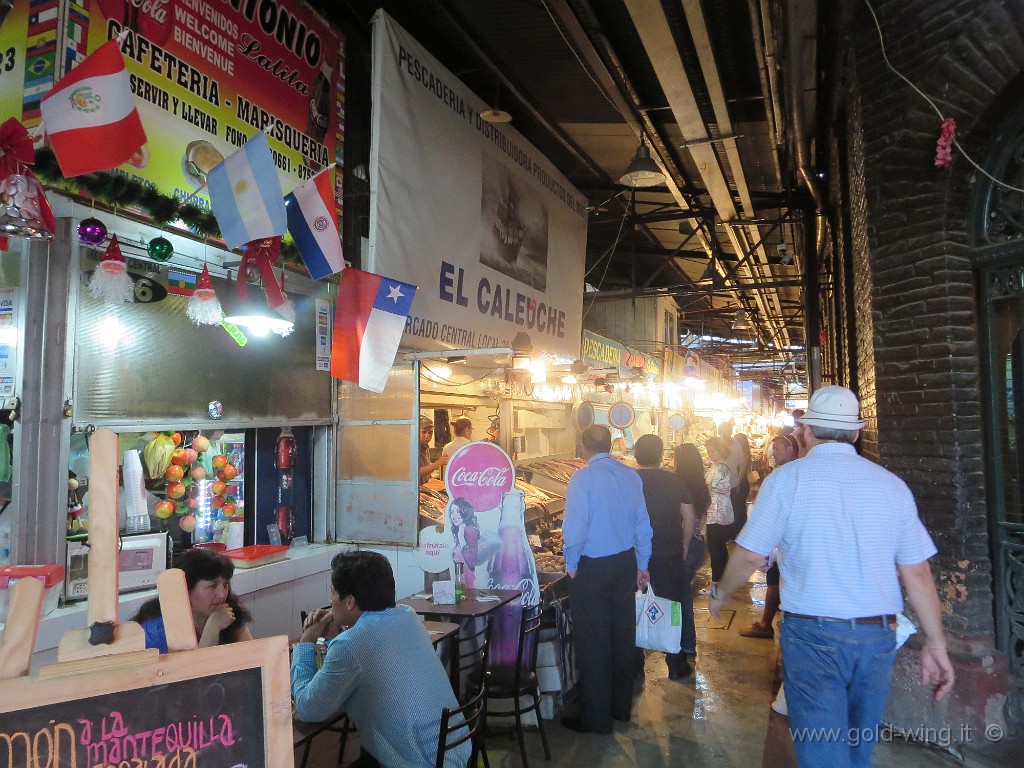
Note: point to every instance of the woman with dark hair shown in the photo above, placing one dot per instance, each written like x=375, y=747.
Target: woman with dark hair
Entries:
x=218, y=616
x=466, y=531
x=690, y=468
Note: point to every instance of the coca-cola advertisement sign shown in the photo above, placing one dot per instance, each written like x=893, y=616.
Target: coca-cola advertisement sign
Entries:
x=480, y=473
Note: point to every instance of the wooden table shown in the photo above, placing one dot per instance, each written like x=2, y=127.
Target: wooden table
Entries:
x=478, y=602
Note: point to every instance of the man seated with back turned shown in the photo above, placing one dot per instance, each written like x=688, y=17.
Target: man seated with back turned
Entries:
x=382, y=670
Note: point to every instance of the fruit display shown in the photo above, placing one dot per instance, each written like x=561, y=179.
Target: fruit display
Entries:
x=198, y=486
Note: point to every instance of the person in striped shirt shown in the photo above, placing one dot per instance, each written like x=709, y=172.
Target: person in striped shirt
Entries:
x=849, y=533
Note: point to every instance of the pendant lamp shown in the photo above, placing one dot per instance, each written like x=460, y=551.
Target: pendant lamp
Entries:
x=642, y=170
x=255, y=316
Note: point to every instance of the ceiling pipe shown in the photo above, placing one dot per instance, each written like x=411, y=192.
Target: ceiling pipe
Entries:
x=771, y=105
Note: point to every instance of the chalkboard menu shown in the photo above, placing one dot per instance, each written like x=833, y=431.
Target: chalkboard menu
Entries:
x=216, y=720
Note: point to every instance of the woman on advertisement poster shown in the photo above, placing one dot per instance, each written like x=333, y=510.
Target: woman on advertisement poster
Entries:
x=466, y=533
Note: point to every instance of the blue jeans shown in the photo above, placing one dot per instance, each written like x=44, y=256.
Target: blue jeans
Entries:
x=836, y=679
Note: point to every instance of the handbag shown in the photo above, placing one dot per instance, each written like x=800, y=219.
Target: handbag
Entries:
x=659, y=622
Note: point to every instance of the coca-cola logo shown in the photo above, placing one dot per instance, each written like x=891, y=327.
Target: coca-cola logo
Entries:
x=481, y=473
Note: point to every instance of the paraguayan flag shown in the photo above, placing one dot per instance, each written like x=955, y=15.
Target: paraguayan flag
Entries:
x=313, y=222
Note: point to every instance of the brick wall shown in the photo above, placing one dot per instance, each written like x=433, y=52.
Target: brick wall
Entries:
x=917, y=359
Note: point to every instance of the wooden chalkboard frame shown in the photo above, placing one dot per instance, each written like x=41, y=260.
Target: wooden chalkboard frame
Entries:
x=70, y=681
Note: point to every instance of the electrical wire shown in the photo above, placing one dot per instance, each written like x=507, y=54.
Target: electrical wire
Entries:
x=923, y=95
x=572, y=48
x=608, y=263
x=437, y=378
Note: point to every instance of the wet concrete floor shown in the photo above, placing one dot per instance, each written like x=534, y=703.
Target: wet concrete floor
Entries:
x=719, y=716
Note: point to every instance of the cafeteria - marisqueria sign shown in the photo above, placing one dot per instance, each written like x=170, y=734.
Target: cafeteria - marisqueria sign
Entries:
x=208, y=75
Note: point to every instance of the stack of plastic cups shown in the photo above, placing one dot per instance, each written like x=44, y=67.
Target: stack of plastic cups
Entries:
x=135, y=494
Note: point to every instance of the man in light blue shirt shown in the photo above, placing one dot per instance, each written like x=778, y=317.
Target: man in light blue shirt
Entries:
x=849, y=532
x=382, y=670
x=607, y=550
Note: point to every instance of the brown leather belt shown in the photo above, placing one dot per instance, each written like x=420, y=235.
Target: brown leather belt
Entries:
x=886, y=619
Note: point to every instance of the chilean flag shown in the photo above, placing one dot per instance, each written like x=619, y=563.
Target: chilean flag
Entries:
x=314, y=225
x=369, y=320
x=90, y=115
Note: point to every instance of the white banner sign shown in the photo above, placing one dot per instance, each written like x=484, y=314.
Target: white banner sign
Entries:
x=469, y=211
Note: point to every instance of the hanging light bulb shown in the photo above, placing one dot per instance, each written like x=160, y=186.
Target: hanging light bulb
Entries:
x=741, y=321
x=642, y=171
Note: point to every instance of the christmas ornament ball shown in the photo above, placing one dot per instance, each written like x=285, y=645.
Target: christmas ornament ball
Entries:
x=92, y=231
x=160, y=249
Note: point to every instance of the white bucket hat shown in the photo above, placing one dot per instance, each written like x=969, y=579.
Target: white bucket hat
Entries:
x=833, y=407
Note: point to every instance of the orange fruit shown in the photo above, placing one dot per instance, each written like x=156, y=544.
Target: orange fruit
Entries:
x=174, y=472
x=175, y=490
x=218, y=487
x=220, y=461
x=179, y=456
x=229, y=471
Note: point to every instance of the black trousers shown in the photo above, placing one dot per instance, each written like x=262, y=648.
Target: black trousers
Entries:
x=669, y=579
x=604, y=635
x=717, y=536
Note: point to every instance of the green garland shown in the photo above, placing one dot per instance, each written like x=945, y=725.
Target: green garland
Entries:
x=119, y=191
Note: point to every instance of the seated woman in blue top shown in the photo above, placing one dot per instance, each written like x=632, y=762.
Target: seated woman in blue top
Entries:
x=219, y=617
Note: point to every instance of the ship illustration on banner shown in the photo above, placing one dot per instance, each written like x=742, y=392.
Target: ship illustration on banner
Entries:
x=509, y=227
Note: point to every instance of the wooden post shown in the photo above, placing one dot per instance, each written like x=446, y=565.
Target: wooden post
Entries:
x=21, y=628
x=103, y=635
x=179, y=626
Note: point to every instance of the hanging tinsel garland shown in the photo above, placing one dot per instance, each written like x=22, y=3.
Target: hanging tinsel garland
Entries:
x=122, y=192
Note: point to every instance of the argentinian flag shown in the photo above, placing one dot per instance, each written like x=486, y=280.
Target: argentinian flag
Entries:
x=246, y=194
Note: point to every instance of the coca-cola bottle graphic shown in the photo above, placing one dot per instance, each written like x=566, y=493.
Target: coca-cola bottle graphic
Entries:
x=512, y=567
x=319, y=108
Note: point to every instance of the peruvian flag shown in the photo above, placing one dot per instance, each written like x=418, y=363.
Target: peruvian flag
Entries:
x=90, y=115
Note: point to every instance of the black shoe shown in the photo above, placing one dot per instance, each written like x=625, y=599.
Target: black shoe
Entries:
x=576, y=724
x=680, y=672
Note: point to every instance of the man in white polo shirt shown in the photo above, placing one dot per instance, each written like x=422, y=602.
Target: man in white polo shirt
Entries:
x=849, y=533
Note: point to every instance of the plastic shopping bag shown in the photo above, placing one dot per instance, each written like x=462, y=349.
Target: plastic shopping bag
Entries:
x=659, y=622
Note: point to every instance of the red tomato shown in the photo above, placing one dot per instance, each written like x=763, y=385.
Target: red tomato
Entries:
x=218, y=487
x=220, y=461
x=176, y=489
x=174, y=472
x=176, y=438
x=228, y=510
x=229, y=472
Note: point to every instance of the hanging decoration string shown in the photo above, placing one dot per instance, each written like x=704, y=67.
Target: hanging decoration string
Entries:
x=947, y=132
x=115, y=190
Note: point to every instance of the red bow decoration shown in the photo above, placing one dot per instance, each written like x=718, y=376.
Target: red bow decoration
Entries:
x=15, y=146
x=17, y=152
x=944, y=146
x=262, y=253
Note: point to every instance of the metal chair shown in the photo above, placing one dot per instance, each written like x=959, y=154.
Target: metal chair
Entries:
x=464, y=724
x=471, y=661
x=340, y=725
x=523, y=681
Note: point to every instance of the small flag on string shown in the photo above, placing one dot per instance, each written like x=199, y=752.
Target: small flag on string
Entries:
x=314, y=226
x=90, y=115
x=246, y=194
x=180, y=283
x=369, y=320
